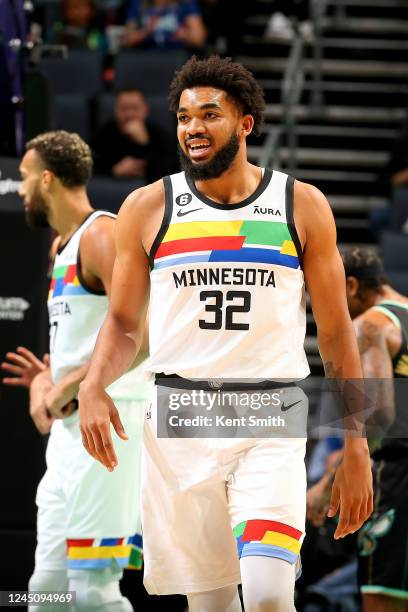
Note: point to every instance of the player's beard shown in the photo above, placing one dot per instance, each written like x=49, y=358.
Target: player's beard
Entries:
x=36, y=214
x=215, y=167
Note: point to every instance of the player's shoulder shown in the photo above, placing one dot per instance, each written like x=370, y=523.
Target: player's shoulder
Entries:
x=371, y=323
x=101, y=229
x=313, y=215
x=310, y=197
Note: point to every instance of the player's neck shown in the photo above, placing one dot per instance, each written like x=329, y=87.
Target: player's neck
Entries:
x=388, y=293
x=68, y=210
x=235, y=185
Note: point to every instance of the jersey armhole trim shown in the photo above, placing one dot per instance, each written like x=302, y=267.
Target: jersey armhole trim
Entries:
x=102, y=213
x=83, y=281
x=290, y=220
x=385, y=303
x=394, y=319
x=168, y=211
x=387, y=313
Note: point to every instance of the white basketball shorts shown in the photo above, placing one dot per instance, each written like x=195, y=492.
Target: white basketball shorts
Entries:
x=206, y=502
x=89, y=517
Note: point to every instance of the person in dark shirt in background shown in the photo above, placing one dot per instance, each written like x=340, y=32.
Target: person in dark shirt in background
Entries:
x=79, y=28
x=164, y=24
x=129, y=145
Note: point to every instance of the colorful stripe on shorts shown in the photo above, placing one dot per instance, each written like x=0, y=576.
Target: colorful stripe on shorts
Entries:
x=268, y=539
x=98, y=553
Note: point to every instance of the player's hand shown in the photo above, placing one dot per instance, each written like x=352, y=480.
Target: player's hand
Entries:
x=24, y=365
x=137, y=131
x=129, y=166
x=97, y=411
x=352, y=493
x=317, y=502
x=39, y=387
x=132, y=38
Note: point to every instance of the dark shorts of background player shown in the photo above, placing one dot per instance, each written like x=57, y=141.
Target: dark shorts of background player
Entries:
x=383, y=540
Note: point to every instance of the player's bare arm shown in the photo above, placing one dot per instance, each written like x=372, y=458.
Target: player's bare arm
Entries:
x=121, y=335
x=377, y=339
x=60, y=400
x=376, y=336
x=39, y=388
x=325, y=280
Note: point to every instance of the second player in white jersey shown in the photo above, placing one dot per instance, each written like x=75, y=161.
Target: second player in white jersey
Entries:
x=76, y=313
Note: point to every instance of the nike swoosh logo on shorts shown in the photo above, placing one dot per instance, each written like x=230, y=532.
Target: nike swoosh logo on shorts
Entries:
x=285, y=408
x=181, y=213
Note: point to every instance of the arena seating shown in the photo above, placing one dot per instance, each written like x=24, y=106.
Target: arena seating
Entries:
x=108, y=194
x=80, y=72
x=71, y=111
x=151, y=71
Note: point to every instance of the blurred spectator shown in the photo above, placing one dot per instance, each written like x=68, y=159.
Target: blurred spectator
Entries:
x=130, y=146
x=398, y=164
x=287, y=16
x=79, y=28
x=165, y=24
x=394, y=215
x=398, y=173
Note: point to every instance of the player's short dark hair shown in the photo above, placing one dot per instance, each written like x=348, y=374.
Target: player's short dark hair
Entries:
x=66, y=155
x=365, y=265
x=224, y=74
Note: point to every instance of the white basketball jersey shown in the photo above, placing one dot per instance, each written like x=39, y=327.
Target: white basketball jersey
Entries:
x=76, y=313
x=227, y=288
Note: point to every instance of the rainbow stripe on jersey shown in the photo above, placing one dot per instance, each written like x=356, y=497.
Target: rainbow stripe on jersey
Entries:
x=268, y=538
x=267, y=242
x=99, y=553
x=65, y=281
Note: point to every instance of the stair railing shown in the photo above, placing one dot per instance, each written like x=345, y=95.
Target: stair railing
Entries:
x=290, y=93
x=318, y=10
x=269, y=155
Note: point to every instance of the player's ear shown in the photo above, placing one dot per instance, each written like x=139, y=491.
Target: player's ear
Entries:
x=352, y=286
x=247, y=124
x=47, y=178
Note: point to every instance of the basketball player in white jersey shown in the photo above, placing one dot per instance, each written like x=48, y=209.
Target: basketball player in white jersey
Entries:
x=87, y=518
x=223, y=249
